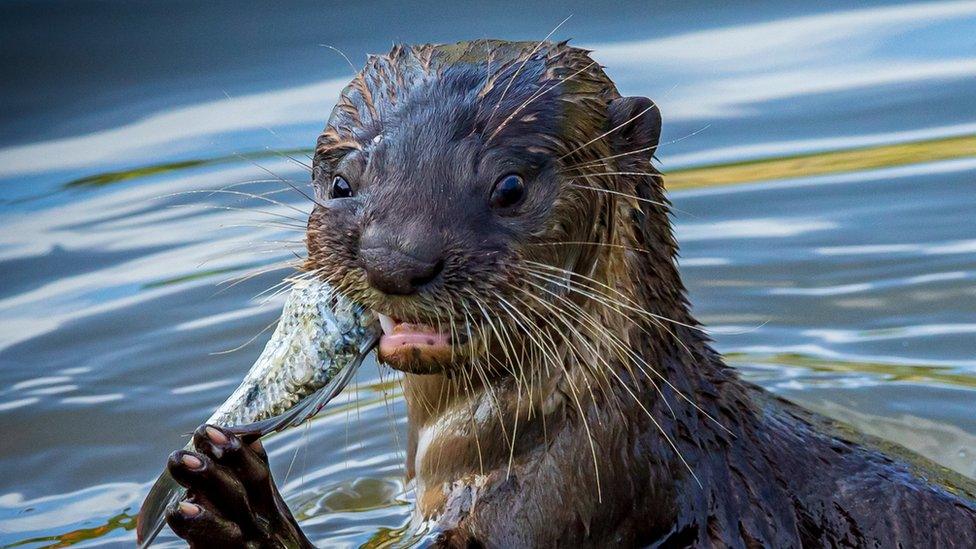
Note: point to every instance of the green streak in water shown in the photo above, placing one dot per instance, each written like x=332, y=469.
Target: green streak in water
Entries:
x=915, y=373
x=109, y=178
x=196, y=275
x=123, y=520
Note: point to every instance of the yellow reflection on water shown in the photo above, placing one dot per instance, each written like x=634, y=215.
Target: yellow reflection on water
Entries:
x=823, y=163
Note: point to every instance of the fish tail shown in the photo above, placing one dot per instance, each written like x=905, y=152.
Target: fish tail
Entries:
x=152, y=515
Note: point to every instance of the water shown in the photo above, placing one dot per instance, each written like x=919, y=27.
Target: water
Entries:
x=823, y=159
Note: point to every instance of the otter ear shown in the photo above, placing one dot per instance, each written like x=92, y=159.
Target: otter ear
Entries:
x=639, y=122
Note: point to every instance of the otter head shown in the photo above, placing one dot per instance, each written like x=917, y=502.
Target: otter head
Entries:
x=457, y=187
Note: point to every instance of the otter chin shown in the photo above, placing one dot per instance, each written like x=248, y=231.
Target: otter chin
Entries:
x=413, y=346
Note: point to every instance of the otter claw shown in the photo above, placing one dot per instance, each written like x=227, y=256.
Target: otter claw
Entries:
x=232, y=500
x=215, y=435
x=187, y=509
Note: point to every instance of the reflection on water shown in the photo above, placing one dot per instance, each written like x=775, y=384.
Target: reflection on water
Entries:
x=822, y=162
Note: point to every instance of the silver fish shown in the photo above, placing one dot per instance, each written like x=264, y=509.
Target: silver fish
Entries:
x=313, y=353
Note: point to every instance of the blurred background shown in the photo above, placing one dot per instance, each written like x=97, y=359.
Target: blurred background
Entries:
x=822, y=158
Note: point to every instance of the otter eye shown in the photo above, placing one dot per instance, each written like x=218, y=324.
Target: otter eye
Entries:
x=340, y=188
x=508, y=192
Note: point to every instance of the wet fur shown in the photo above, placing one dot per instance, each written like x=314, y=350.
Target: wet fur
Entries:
x=561, y=437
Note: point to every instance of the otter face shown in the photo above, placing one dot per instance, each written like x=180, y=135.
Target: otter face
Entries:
x=434, y=186
x=423, y=222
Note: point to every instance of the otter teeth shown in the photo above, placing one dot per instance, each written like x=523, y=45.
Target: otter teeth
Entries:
x=386, y=323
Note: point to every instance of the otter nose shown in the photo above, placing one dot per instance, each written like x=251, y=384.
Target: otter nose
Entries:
x=394, y=272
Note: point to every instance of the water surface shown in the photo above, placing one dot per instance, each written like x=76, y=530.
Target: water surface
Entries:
x=822, y=159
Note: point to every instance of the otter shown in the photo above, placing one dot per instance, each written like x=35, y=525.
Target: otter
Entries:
x=496, y=203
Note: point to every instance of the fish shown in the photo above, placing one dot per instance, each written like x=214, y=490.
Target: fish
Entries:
x=316, y=349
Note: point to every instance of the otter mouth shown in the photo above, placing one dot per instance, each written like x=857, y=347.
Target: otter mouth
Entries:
x=413, y=347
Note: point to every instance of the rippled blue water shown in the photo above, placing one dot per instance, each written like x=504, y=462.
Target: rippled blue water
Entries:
x=849, y=289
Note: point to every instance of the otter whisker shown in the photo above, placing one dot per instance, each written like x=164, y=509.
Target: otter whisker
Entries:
x=594, y=295
x=452, y=324
x=526, y=328
x=513, y=366
x=618, y=193
x=617, y=344
x=666, y=205
x=481, y=373
x=609, y=301
x=273, y=293
x=537, y=350
x=281, y=179
x=574, y=394
x=596, y=174
x=650, y=416
x=611, y=130
x=240, y=279
x=267, y=224
x=256, y=247
x=655, y=319
x=227, y=190
x=508, y=348
x=602, y=160
x=237, y=279
x=571, y=327
x=623, y=353
x=640, y=361
x=522, y=66
x=306, y=167
x=474, y=426
x=570, y=324
x=291, y=464
x=249, y=341
x=275, y=191
x=568, y=344
x=532, y=98
x=634, y=307
x=343, y=54
x=283, y=286
x=236, y=209
x=683, y=137
x=584, y=243
x=243, y=194
x=526, y=361
x=515, y=424
x=245, y=182
x=588, y=341
x=390, y=420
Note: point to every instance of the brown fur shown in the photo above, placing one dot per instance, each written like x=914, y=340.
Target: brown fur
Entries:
x=584, y=406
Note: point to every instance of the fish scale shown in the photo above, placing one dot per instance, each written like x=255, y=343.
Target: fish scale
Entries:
x=319, y=343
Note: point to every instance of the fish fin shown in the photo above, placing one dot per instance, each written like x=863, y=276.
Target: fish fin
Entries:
x=152, y=514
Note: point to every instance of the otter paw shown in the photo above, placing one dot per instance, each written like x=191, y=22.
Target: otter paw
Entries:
x=231, y=498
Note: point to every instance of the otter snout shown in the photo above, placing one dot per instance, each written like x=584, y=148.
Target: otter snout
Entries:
x=400, y=264
x=396, y=273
